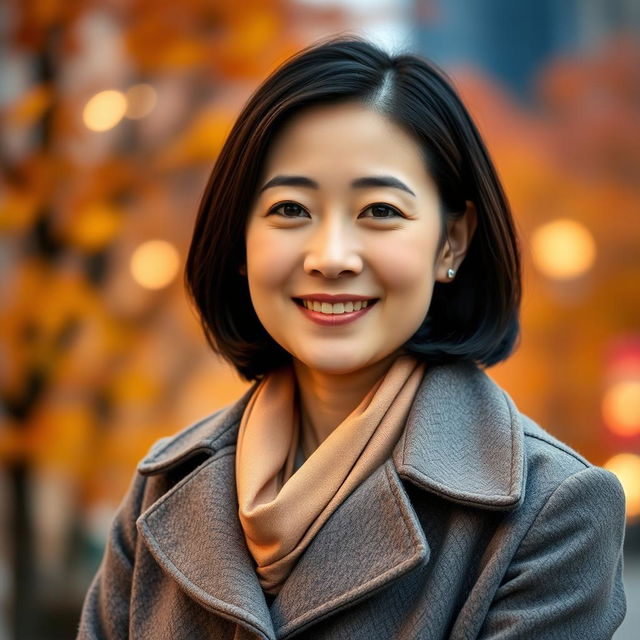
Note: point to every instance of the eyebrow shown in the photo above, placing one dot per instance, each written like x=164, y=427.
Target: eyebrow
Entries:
x=358, y=183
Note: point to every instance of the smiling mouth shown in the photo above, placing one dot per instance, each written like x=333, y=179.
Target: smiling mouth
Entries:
x=338, y=308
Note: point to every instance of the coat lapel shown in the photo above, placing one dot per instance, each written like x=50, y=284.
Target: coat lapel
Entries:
x=371, y=540
x=194, y=533
x=463, y=441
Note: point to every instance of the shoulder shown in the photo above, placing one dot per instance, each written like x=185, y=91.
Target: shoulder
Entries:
x=555, y=472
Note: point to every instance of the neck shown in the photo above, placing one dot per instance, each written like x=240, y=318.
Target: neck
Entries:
x=326, y=399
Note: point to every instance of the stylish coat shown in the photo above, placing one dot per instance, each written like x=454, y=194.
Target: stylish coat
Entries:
x=480, y=525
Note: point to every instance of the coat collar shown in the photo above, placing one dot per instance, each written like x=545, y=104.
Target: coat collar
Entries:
x=463, y=442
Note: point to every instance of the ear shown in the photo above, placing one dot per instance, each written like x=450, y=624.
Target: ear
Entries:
x=459, y=234
x=242, y=269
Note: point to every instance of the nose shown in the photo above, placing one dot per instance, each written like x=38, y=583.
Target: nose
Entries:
x=333, y=251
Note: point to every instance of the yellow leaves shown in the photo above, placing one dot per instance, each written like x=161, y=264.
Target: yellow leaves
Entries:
x=94, y=226
x=39, y=308
x=163, y=39
x=60, y=434
x=247, y=39
x=12, y=444
x=256, y=30
x=26, y=192
x=36, y=19
x=136, y=386
x=44, y=13
x=18, y=209
x=199, y=143
x=180, y=53
x=231, y=38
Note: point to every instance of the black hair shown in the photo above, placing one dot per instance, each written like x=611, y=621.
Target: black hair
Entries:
x=474, y=317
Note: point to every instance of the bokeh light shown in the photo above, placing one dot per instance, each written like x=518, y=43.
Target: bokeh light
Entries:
x=563, y=249
x=104, y=110
x=141, y=100
x=621, y=407
x=154, y=264
x=627, y=467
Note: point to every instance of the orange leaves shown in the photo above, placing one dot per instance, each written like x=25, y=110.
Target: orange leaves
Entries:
x=24, y=191
x=199, y=142
x=39, y=308
x=36, y=20
x=29, y=107
x=95, y=226
x=221, y=37
x=18, y=209
x=593, y=106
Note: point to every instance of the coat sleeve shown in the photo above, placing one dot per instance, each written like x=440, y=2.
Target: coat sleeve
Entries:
x=565, y=581
x=105, y=611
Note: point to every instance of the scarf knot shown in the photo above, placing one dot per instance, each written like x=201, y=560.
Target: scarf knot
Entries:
x=284, y=500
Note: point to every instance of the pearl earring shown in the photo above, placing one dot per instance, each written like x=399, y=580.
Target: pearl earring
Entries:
x=451, y=273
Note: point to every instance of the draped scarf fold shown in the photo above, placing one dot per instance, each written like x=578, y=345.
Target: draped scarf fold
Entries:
x=282, y=505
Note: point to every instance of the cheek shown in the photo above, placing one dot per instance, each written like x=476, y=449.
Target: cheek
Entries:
x=406, y=267
x=269, y=262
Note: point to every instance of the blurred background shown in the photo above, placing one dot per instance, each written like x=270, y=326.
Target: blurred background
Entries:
x=112, y=115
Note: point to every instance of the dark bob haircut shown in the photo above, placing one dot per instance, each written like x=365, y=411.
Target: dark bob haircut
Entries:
x=475, y=317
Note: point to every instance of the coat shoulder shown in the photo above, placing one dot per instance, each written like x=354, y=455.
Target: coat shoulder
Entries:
x=197, y=436
x=552, y=464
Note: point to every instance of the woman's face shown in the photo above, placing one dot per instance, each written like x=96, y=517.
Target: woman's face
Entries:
x=345, y=207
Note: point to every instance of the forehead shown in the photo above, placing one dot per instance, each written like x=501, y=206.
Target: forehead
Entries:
x=345, y=141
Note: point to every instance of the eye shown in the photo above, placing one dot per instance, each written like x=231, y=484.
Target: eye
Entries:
x=382, y=211
x=289, y=210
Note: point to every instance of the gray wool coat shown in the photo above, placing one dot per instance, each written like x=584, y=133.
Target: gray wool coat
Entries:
x=480, y=525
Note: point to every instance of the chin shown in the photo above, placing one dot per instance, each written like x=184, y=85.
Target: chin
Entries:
x=335, y=363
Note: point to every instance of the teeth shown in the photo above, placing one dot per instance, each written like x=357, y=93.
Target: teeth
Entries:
x=335, y=309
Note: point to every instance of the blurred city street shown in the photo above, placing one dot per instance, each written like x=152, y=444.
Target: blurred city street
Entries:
x=630, y=628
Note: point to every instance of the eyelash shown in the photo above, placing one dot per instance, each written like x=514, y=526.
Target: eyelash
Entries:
x=375, y=204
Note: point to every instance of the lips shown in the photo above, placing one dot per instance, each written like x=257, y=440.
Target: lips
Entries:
x=335, y=313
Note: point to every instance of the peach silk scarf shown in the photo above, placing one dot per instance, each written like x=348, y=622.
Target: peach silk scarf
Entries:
x=281, y=508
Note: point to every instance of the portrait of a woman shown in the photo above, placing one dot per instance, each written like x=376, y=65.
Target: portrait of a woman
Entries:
x=354, y=257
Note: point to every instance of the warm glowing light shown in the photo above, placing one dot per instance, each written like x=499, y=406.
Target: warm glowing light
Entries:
x=154, y=264
x=563, y=249
x=621, y=407
x=141, y=100
x=627, y=467
x=104, y=110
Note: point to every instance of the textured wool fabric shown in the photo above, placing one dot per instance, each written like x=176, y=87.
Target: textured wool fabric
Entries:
x=480, y=526
x=282, y=509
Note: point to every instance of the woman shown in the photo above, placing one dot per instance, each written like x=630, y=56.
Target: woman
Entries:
x=354, y=256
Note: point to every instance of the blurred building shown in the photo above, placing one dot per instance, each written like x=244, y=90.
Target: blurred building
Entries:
x=513, y=40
